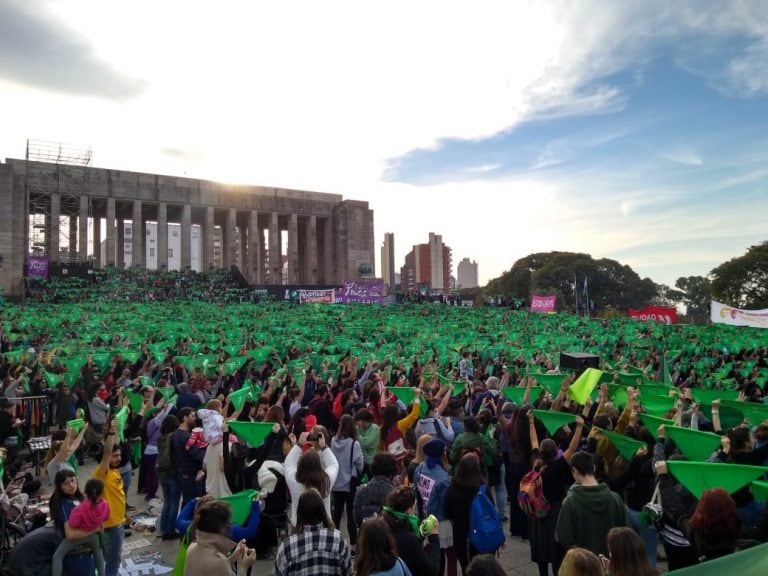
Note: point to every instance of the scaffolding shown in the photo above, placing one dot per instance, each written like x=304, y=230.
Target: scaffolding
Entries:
x=57, y=176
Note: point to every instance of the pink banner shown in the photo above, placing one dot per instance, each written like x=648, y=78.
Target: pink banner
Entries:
x=656, y=313
x=543, y=303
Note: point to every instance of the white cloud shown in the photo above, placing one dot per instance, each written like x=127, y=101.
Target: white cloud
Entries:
x=317, y=95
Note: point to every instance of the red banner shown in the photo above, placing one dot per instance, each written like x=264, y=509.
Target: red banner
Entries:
x=656, y=313
x=543, y=303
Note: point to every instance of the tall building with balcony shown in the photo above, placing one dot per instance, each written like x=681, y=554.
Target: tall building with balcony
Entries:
x=427, y=268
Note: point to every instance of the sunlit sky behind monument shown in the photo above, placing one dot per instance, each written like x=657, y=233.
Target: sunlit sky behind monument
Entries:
x=636, y=131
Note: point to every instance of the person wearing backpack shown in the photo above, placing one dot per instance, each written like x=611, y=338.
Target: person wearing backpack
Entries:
x=168, y=474
x=555, y=477
x=468, y=477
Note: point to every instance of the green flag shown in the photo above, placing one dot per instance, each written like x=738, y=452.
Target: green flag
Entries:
x=553, y=421
x=584, y=384
x=626, y=446
x=551, y=382
x=516, y=394
x=51, y=379
x=754, y=412
x=76, y=424
x=693, y=443
x=759, y=490
x=238, y=397
x=403, y=393
x=241, y=505
x=166, y=392
x=653, y=422
x=749, y=562
x=121, y=417
x=135, y=399
x=657, y=405
x=700, y=476
x=254, y=433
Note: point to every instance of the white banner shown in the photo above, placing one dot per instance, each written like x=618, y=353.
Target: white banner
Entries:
x=723, y=314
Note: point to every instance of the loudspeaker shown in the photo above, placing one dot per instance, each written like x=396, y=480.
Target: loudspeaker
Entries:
x=579, y=361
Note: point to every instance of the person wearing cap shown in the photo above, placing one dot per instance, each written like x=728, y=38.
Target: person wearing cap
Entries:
x=431, y=479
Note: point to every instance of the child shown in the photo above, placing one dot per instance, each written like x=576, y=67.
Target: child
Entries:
x=88, y=516
x=215, y=481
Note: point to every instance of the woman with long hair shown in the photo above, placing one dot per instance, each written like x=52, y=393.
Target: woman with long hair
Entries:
x=349, y=455
x=308, y=467
x=467, y=479
x=715, y=524
x=300, y=553
x=580, y=562
x=556, y=478
x=377, y=551
x=66, y=496
x=626, y=554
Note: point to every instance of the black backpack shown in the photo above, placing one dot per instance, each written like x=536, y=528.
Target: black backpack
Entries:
x=166, y=459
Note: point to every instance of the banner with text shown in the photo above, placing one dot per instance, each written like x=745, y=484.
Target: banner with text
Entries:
x=37, y=267
x=543, y=303
x=661, y=314
x=368, y=291
x=316, y=296
x=723, y=314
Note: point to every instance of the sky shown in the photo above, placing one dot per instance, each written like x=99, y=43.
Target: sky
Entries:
x=636, y=131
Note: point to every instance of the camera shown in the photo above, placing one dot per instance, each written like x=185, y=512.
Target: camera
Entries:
x=314, y=437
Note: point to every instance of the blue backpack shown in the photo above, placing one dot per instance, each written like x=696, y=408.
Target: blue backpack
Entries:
x=486, y=532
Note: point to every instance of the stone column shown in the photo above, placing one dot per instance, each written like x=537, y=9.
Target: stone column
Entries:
x=53, y=229
x=186, y=237
x=275, y=263
x=208, y=232
x=310, y=256
x=162, y=237
x=120, y=241
x=230, y=258
x=137, y=232
x=72, y=238
x=293, y=249
x=253, y=262
x=97, y=263
x=82, y=237
x=109, y=257
x=330, y=277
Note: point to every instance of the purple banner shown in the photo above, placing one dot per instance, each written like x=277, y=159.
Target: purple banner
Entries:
x=37, y=267
x=369, y=291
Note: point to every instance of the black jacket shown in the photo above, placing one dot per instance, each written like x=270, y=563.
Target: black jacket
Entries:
x=421, y=560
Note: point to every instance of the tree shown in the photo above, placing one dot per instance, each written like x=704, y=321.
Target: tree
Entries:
x=743, y=281
x=667, y=296
x=563, y=273
x=697, y=294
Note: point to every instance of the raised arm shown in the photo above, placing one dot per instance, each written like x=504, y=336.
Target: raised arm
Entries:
x=109, y=443
x=575, y=440
x=532, y=430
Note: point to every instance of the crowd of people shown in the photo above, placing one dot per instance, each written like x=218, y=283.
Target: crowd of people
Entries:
x=138, y=285
x=377, y=445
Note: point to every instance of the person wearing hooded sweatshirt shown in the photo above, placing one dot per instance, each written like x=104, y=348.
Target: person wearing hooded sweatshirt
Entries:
x=349, y=455
x=590, y=510
x=432, y=481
